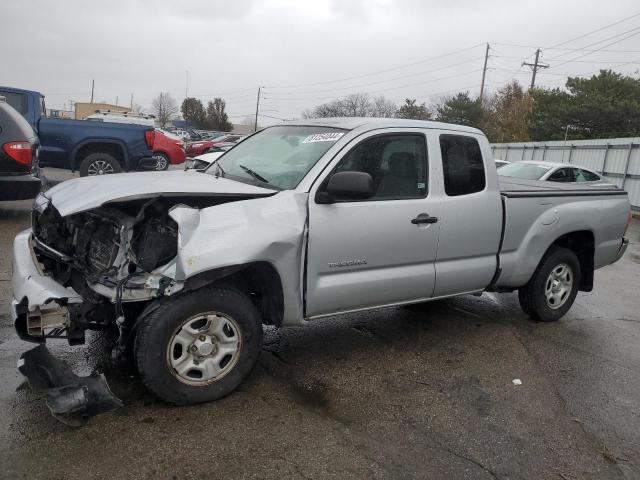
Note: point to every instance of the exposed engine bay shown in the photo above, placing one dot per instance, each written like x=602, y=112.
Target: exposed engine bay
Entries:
x=108, y=256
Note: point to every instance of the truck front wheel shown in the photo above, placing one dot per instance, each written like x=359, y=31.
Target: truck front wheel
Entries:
x=99, y=164
x=199, y=346
x=553, y=287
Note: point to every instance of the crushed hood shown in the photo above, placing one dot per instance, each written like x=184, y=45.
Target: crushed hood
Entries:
x=81, y=194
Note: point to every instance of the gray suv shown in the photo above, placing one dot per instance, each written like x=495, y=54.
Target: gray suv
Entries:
x=18, y=155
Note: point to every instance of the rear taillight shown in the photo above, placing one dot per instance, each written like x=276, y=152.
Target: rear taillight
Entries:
x=21, y=152
x=150, y=136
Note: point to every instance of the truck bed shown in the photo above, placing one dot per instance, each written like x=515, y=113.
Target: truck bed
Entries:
x=535, y=213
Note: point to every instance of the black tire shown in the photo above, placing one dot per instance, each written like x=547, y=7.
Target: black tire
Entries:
x=532, y=296
x=162, y=161
x=157, y=331
x=95, y=163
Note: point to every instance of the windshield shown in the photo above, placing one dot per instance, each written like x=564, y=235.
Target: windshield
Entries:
x=277, y=157
x=523, y=170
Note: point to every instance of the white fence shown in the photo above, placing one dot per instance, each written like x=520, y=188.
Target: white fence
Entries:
x=618, y=159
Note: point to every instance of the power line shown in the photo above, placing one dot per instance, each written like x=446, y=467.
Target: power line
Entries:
x=379, y=71
x=516, y=45
x=595, y=31
x=310, y=99
x=634, y=29
x=607, y=45
x=372, y=83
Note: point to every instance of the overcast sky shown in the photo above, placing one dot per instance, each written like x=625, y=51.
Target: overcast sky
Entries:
x=303, y=52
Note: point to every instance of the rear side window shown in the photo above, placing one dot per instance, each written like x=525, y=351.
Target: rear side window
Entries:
x=565, y=175
x=462, y=165
x=589, y=176
x=16, y=100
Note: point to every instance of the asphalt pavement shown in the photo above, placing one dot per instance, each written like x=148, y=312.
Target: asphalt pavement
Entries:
x=414, y=392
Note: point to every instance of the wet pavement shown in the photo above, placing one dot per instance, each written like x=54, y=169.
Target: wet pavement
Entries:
x=420, y=392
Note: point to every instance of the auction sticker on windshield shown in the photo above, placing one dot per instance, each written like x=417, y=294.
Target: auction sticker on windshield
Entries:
x=323, y=137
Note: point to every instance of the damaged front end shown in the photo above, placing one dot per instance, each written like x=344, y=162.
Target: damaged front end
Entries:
x=92, y=270
x=88, y=265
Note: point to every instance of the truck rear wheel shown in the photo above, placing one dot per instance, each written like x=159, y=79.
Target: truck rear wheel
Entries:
x=198, y=346
x=99, y=164
x=553, y=287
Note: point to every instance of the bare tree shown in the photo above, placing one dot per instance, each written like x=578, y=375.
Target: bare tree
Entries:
x=383, y=108
x=353, y=105
x=165, y=108
x=356, y=105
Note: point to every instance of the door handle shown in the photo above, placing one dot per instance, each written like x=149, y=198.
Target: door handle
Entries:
x=424, y=218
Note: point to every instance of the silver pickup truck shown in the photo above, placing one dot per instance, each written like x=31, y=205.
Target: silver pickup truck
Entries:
x=299, y=221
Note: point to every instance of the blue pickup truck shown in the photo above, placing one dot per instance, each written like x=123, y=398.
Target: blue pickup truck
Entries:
x=92, y=148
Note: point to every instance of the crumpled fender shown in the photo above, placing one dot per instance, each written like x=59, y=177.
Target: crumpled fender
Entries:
x=270, y=229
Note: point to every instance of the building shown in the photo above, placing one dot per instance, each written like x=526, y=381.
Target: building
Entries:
x=84, y=109
x=54, y=113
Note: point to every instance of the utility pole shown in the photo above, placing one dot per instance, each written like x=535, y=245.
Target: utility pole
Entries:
x=255, y=128
x=186, y=95
x=131, y=103
x=116, y=100
x=93, y=84
x=484, y=73
x=535, y=67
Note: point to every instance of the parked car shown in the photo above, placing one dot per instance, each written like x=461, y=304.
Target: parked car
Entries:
x=203, y=161
x=198, y=148
x=18, y=155
x=183, y=134
x=552, y=172
x=221, y=147
x=167, y=151
x=169, y=134
x=93, y=148
x=300, y=221
x=500, y=163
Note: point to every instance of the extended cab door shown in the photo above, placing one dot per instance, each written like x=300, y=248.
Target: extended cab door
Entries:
x=471, y=215
x=378, y=251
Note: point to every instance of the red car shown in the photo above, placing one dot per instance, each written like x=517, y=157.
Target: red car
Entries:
x=167, y=150
x=198, y=148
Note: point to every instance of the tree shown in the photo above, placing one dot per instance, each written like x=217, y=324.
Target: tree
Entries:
x=461, y=110
x=217, y=118
x=551, y=114
x=412, y=111
x=193, y=112
x=353, y=105
x=164, y=108
x=383, y=108
x=509, y=115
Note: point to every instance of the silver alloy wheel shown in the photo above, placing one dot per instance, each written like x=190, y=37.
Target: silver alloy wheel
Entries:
x=204, y=348
x=99, y=167
x=161, y=162
x=558, y=286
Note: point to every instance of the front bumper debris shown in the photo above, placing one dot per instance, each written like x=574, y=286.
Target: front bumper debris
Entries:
x=72, y=399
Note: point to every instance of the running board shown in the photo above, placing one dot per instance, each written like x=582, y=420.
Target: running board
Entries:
x=72, y=399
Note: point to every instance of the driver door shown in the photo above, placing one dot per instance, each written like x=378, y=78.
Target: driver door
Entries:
x=377, y=251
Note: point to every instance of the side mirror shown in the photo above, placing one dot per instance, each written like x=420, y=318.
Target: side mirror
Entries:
x=347, y=186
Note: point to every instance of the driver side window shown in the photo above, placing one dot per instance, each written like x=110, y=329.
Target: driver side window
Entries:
x=397, y=164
